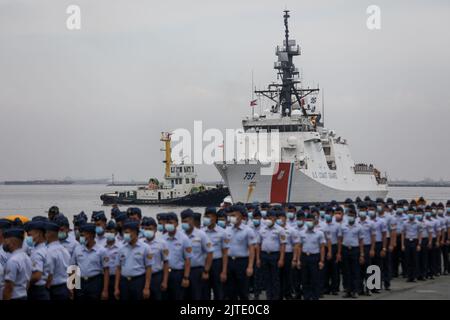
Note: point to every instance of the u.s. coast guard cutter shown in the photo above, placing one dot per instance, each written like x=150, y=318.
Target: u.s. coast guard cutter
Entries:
x=314, y=164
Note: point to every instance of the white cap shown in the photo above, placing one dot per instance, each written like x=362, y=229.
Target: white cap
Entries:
x=228, y=200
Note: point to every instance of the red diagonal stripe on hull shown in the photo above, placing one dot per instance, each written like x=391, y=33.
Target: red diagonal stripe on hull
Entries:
x=280, y=182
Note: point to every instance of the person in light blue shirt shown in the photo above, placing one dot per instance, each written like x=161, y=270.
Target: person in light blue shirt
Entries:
x=99, y=218
x=202, y=256
x=312, y=258
x=380, y=237
x=58, y=260
x=369, y=235
x=291, y=213
x=134, y=266
x=63, y=234
x=241, y=254
x=112, y=250
x=38, y=255
x=351, y=251
x=411, y=239
x=220, y=243
x=17, y=270
x=331, y=269
x=93, y=262
x=160, y=252
x=180, y=255
x=398, y=259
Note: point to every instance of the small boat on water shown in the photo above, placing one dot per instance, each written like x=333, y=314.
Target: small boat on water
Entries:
x=179, y=187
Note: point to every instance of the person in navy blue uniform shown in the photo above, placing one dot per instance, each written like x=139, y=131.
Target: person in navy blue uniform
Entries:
x=38, y=255
x=221, y=243
x=92, y=260
x=202, y=255
x=311, y=257
x=52, y=212
x=160, y=252
x=18, y=267
x=58, y=259
x=134, y=266
x=180, y=255
x=351, y=251
x=241, y=255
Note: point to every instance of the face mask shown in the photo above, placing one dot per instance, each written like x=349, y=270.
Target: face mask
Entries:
x=440, y=212
x=448, y=210
x=149, y=234
x=399, y=211
x=309, y=225
x=185, y=226
x=279, y=222
x=99, y=230
x=160, y=227
x=233, y=220
x=328, y=218
x=419, y=218
x=351, y=220
x=170, y=227
x=62, y=235
x=268, y=222
x=221, y=223
x=410, y=216
x=110, y=236
x=256, y=222
x=428, y=214
x=126, y=237
x=290, y=215
x=263, y=213
x=379, y=208
x=372, y=214
x=83, y=240
x=363, y=214
x=29, y=241
x=405, y=208
x=322, y=214
x=206, y=221
x=300, y=223
x=250, y=215
x=6, y=248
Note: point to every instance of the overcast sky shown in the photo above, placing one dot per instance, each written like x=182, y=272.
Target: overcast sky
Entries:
x=93, y=102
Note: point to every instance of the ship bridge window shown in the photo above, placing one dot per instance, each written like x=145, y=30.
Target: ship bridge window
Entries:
x=327, y=151
x=193, y=180
x=187, y=180
x=172, y=170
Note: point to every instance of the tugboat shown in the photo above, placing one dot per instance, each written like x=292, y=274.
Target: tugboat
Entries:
x=315, y=165
x=179, y=187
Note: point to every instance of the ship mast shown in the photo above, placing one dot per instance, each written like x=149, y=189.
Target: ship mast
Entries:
x=283, y=93
x=165, y=137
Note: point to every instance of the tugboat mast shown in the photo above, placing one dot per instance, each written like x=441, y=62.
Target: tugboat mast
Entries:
x=281, y=93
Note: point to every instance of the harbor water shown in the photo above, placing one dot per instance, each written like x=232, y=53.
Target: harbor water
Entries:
x=29, y=200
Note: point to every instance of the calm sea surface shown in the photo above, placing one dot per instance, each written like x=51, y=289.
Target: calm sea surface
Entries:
x=71, y=199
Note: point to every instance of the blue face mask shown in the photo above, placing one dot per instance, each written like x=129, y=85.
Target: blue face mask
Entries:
x=206, y=221
x=428, y=214
x=309, y=225
x=419, y=218
x=126, y=237
x=62, y=235
x=29, y=241
x=250, y=215
x=110, y=236
x=351, y=220
x=170, y=227
x=185, y=226
x=372, y=214
x=82, y=240
x=99, y=230
x=160, y=227
x=448, y=210
x=279, y=222
x=221, y=223
x=149, y=234
x=328, y=218
x=290, y=215
x=263, y=213
x=322, y=213
x=300, y=223
x=363, y=214
x=410, y=216
x=256, y=222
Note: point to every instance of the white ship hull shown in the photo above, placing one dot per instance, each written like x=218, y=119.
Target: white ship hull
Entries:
x=294, y=185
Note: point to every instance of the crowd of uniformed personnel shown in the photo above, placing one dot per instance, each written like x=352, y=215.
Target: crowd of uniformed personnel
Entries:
x=232, y=252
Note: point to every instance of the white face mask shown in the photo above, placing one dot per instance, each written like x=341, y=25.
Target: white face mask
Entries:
x=268, y=222
x=233, y=220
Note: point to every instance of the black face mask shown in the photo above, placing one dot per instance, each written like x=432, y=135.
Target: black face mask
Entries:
x=6, y=248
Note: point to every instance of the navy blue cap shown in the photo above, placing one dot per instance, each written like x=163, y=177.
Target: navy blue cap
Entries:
x=291, y=207
x=148, y=221
x=111, y=225
x=197, y=216
x=238, y=208
x=264, y=205
x=5, y=224
x=61, y=220
x=256, y=213
x=281, y=213
x=271, y=213
x=367, y=198
x=39, y=218
x=88, y=227
x=340, y=209
x=51, y=226
x=14, y=233
x=114, y=212
x=79, y=220
x=98, y=216
x=304, y=208
x=300, y=214
x=35, y=225
x=122, y=216
x=309, y=216
x=161, y=216
x=187, y=213
x=171, y=216
x=220, y=213
x=132, y=225
x=133, y=211
x=210, y=210
x=348, y=201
